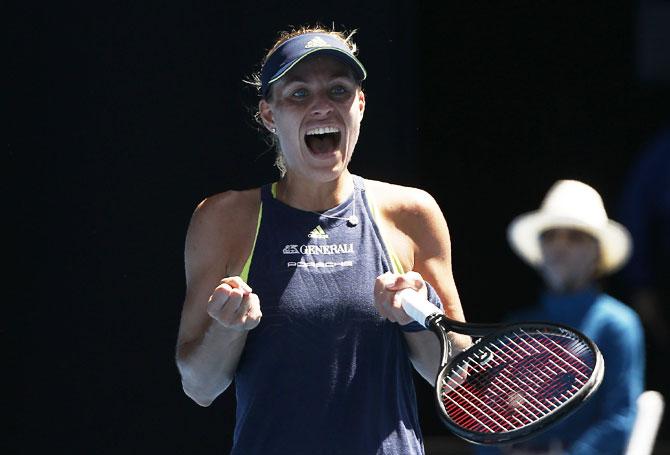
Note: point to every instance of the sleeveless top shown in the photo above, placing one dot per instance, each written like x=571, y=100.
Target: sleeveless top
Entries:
x=323, y=372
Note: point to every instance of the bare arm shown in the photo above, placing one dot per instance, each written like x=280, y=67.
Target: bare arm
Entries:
x=432, y=259
x=207, y=364
x=219, y=309
x=417, y=230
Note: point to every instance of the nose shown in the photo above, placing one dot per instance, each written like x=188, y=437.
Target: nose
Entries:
x=554, y=243
x=560, y=239
x=322, y=105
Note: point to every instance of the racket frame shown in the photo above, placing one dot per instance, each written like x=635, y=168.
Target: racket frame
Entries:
x=441, y=325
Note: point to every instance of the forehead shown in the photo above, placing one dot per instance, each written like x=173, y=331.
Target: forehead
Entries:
x=318, y=67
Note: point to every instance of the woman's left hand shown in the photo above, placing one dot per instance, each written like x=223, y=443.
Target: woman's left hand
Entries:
x=386, y=287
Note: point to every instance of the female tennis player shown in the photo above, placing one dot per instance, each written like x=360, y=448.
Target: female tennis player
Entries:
x=291, y=287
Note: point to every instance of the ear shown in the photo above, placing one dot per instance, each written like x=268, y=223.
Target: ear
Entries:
x=361, y=102
x=266, y=115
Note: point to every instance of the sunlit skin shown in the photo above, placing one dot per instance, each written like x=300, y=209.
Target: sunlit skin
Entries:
x=318, y=92
x=320, y=96
x=570, y=259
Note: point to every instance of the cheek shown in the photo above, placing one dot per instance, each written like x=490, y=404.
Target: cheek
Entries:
x=549, y=251
x=355, y=124
x=589, y=257
x=356, y=112
x=287, y=129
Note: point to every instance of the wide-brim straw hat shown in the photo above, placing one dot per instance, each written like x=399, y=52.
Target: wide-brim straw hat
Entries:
x=575, y=205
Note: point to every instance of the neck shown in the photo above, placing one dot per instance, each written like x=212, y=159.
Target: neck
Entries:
x=305, y=194
x=572, y=288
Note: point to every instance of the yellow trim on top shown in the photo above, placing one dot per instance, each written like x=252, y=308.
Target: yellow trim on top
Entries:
x=395, y=260
x=247, y=265
x=274, y=190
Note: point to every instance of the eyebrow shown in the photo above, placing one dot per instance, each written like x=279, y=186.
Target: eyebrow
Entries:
x=338, y=75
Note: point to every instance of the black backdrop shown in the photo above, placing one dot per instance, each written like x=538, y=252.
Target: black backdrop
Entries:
x=124, y=115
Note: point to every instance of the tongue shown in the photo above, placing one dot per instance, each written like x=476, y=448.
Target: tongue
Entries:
x=322, y=143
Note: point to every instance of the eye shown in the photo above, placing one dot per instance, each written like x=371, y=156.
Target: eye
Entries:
x=299, y=93
x=339, y=90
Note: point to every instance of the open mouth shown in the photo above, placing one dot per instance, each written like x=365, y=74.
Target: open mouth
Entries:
x=323, y=140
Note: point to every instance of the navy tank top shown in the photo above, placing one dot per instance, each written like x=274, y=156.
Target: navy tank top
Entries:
x=323, y=373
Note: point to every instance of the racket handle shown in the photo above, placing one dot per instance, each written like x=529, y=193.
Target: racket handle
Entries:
x=417, y=307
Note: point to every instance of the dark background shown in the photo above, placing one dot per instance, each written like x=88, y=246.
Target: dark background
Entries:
x=124, y=115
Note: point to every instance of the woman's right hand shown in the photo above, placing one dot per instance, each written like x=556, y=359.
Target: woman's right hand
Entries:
x=234, y=306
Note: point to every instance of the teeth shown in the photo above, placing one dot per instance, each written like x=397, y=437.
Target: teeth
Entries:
x=324, y=130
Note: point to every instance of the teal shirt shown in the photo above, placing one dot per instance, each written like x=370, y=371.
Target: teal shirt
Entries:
x=604, y=423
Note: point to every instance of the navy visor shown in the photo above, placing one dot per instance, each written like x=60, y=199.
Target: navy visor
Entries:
x=294, y=50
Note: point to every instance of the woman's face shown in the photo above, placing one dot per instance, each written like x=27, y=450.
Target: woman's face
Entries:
x=570, y=259
x=316, y=110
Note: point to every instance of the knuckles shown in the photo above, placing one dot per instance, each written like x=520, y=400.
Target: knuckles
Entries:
x=220, y=310
x=386, y=300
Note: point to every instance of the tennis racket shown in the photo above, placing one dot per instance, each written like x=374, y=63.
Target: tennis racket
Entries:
x=514, y=381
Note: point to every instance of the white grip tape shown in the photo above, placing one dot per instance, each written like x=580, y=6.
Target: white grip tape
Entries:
x=417, y=307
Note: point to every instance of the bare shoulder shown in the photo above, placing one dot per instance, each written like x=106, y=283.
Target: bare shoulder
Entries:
x=417, y=231
x=412, y=222
x=219, y=239
x=403, y=203
x=222, y=228
x=218, y=206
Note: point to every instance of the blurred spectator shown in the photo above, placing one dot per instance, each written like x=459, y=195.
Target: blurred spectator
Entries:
x=571, y=242
x=645, y=211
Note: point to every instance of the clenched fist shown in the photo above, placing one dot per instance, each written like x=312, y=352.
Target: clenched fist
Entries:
x=386, y=287
x=234, y=306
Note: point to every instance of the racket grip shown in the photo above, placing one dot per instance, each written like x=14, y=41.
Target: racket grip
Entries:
x=417, y=307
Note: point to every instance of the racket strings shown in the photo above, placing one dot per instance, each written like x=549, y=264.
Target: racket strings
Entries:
x=495, y=411
x=516, y=380
x=573, y=359
x=500, y=395
x=506, y=387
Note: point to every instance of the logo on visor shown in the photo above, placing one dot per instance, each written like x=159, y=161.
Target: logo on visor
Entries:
x=316, y=42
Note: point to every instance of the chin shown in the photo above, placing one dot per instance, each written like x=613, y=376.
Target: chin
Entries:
x=555, y=281
x=332, y=165
x=567, y=286
x=328, y=175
